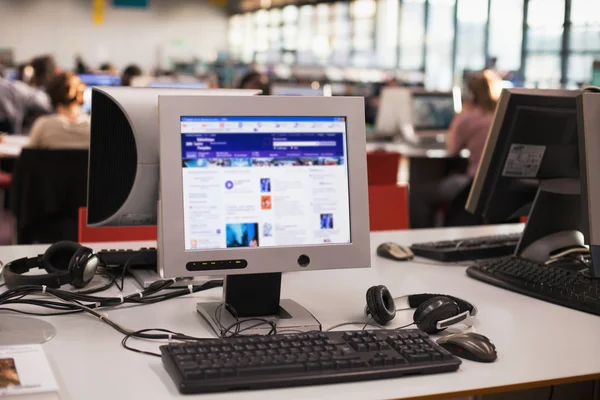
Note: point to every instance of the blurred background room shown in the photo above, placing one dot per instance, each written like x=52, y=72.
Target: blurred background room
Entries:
x=430, y=71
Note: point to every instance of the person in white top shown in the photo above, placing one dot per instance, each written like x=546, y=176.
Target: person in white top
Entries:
x=68, y=127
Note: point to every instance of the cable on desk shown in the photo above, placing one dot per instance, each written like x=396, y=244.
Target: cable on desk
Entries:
x=225, y=332
x=551, y=392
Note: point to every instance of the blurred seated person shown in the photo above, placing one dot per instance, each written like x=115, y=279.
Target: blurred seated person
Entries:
x=257, y=81
x=107, y=68
x=44, y=70
x=68, y=127
x=130, y=72
x=19, y=101
x=468, y=130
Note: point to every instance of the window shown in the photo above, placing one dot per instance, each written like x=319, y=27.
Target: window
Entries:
x=506, y=33
x=584, y=43
x=545, y=19
x=363, y=31
x=440, y=26
x=470, y=35
x=412, y=34
x=387, y=33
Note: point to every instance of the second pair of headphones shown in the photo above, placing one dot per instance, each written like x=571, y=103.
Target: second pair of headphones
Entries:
x=65, y=262
x=433, y=312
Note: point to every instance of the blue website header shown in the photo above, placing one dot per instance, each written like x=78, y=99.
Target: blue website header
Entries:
x=262, y=119
x=262, y=149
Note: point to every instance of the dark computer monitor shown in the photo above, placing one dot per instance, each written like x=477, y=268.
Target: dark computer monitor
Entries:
x=432, y=111
x=530, y=166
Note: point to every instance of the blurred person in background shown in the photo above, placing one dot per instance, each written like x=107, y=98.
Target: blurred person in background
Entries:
x=107, y=68
x=44, y=70
x=20, y=102
x=468, y=130
x=68, y=127
x=255, y=80
x=130, y=72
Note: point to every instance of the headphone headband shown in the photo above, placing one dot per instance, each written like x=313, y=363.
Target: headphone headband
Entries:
x=14, y=270
x=415, y=300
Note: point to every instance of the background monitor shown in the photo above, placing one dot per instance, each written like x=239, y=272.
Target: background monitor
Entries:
x=91, y=80
x=533, y=137
x=432, y=111
x=180, y=85
x=123, y=164
x=285, y=90
x=394, y=111
x=100, y=79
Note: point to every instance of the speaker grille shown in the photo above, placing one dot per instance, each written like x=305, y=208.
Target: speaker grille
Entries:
x=113, y=159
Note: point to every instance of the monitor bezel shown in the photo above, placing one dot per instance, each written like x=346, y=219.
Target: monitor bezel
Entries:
x=173, y=257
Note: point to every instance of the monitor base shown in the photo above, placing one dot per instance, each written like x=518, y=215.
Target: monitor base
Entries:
x=291, y=318
x=16, y=330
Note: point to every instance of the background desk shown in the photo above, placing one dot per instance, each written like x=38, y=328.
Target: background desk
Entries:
x=425, y=167
x=530, y=335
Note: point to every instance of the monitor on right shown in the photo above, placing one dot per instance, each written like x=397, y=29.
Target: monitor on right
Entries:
x=530, y=166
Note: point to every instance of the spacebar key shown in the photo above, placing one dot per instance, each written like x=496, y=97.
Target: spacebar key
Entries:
x=271, y=369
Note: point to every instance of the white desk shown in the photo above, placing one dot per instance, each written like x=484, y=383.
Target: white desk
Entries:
x=530, y=335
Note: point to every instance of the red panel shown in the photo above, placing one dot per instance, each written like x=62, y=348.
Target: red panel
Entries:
x=112, y=233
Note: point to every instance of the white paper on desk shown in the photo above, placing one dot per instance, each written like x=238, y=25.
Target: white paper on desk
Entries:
x=24, y=370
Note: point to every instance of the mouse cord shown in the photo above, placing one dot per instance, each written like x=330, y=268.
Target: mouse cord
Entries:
x=551, y=394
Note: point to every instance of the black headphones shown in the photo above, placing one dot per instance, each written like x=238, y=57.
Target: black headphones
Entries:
x=65, y=262
x=434, y=312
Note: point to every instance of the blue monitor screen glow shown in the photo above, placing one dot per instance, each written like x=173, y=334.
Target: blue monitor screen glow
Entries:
x=264, y=181
x=100, y=79
x=178, y=85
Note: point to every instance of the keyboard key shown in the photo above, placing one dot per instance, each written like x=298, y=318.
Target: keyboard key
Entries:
x=271, y=369
x=416, y=358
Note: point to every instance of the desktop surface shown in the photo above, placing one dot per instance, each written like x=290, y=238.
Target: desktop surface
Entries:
x=522, y=328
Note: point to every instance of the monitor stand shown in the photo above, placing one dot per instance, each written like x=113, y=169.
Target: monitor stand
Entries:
x=17, y=330
x=257, y=296
x=555, y=221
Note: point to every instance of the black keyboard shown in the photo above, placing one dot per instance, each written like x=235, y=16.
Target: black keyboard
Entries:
x=468, y=249
x=262, y=362
x=559, y=285
x=145, y=256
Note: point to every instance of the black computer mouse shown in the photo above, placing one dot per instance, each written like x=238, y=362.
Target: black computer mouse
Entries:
x=469, y=345
x=394, y=251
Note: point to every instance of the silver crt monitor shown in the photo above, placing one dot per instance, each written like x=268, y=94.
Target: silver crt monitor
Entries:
x=253, y=187
x=123, y=163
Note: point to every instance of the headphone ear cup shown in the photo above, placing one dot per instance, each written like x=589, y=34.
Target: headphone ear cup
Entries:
x=83, y=266
x=380, y=304
x=436, y=309
x=57, y=258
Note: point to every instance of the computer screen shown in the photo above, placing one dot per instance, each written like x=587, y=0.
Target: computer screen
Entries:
x=432, y=110
x=264, y=181
x=100, y=79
